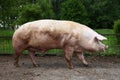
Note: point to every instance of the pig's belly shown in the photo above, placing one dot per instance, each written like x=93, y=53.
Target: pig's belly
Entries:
x=36, y=49
x=44, y=44
x=43, y=47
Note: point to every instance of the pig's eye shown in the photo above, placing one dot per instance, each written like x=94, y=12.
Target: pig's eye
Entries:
x=96, y=39
x=98, y=42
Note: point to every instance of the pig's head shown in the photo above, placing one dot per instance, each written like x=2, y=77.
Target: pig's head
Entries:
x=95, y=44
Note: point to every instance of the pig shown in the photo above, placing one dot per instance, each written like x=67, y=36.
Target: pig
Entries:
x=43, y=35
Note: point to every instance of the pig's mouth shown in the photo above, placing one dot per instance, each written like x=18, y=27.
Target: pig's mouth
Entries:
x=104, y=49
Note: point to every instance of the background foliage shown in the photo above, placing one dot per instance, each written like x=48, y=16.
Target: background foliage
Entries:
x=74, y=10
x=116, y=28
x=94, y=13
x=33, y=12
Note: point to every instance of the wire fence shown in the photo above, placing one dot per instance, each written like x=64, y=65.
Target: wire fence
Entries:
x=112, y=42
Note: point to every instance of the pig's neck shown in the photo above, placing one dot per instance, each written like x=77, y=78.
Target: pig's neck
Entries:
x=87, y=46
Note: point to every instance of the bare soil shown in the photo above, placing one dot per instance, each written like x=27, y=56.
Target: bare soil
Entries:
x=55, y=68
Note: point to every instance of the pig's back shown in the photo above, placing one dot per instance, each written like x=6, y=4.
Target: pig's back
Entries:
x=56, y=26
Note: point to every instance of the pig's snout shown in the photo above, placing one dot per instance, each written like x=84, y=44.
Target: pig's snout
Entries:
x=105, y=48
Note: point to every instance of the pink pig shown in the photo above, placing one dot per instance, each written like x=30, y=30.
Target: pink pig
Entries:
x=69, y=36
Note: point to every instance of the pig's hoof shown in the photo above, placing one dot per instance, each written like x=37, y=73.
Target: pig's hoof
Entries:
x=70, y=67
x=36, y=65
x=86, y=65
x=16, y=65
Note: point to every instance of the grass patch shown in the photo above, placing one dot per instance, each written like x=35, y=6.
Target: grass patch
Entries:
x=105, y=31
x=6, y=45
x=6, y=32
x=6, y=41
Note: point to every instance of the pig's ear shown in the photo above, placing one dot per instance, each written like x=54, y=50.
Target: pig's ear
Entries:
x=100, y=37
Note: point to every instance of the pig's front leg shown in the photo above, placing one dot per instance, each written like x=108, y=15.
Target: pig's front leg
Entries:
x=68, y=51
x=81, y=57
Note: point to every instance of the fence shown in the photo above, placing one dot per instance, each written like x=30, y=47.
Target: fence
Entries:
x=112, y=42
x=6, y=45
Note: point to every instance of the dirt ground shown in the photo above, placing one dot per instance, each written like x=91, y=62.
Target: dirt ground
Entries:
x=55, y=68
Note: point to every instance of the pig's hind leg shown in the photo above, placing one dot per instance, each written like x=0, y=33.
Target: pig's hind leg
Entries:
x=81, y=57
x=18, y=47
x=16, y=58
x=32, y=57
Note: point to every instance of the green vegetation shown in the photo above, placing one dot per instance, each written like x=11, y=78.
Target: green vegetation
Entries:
x=116, y=28
x=95, y=13
x=75, y=12
x=6, y=32
x=105, y=31
x=33, y=12
x=6, y=44
x=102, y=13
x=6, y=41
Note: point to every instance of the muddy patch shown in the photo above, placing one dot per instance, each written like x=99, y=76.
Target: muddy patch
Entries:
x=55, y=68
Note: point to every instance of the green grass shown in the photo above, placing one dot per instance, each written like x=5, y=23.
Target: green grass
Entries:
x=6, y=32
x=6, y=44
x=105, y=31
